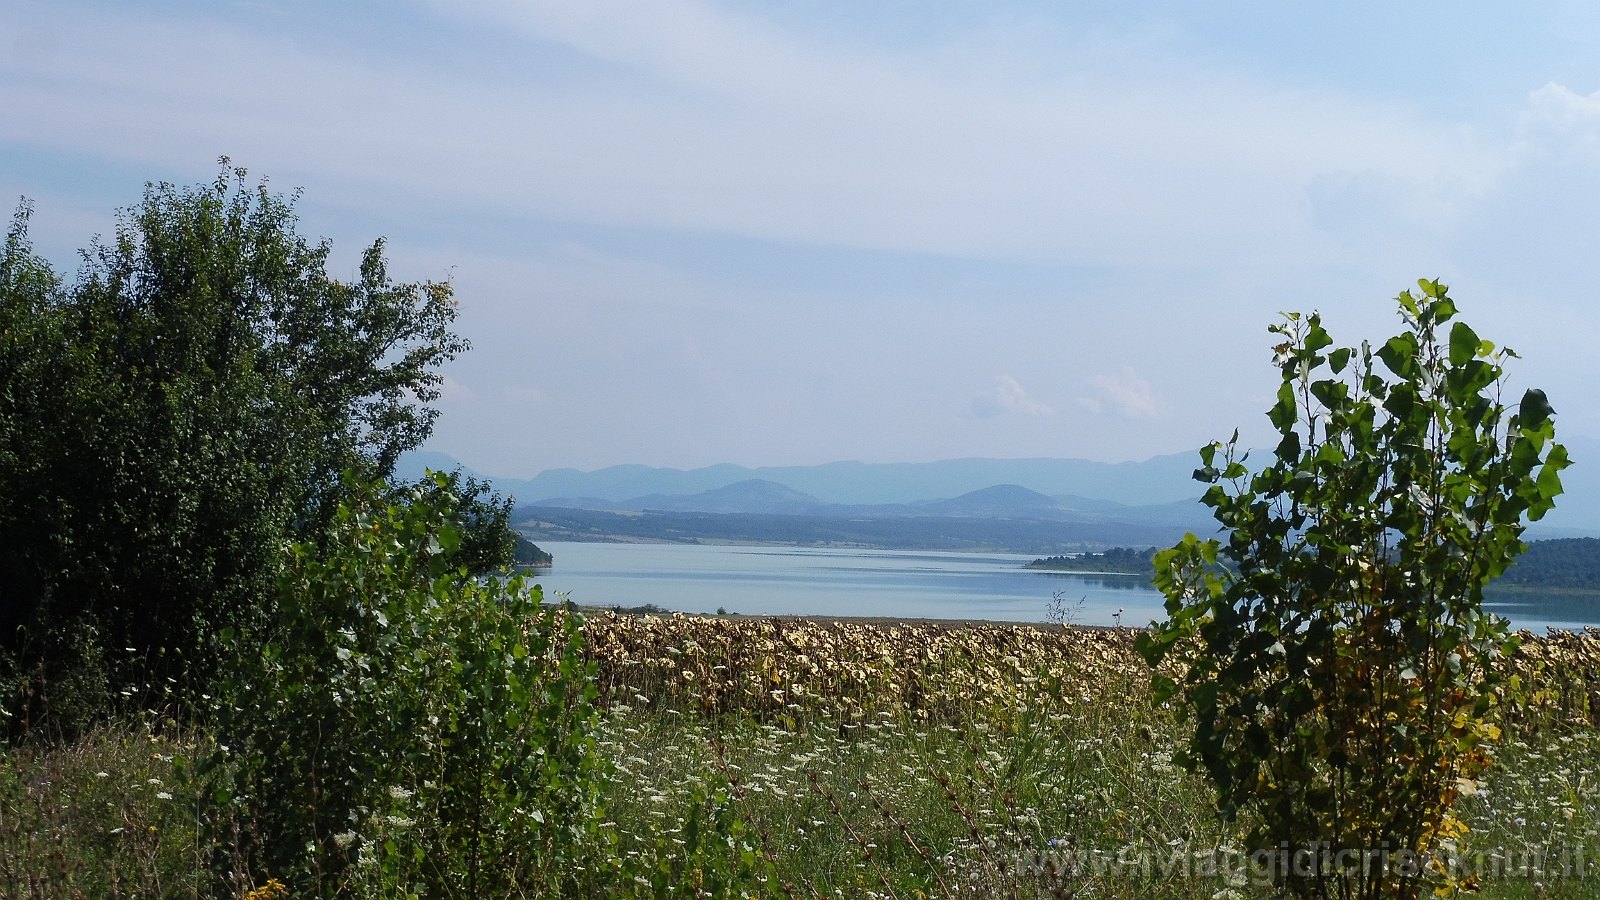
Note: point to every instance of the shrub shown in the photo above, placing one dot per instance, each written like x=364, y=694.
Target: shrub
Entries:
x=406, y=728
x=1335, y=652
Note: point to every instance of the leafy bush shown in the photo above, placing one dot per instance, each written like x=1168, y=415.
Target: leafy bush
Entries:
x=1334, y=648
x=171, y=417
x=406, y=728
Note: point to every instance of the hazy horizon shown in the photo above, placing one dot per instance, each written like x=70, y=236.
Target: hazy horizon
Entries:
x=685, y=233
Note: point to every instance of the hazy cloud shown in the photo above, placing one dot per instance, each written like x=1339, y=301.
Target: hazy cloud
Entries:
x=1558, y=108
x=1006, y=396
x=525, y=396
x=1124, y=393
x=694, y=116
x=700, y=227
x=453, y=391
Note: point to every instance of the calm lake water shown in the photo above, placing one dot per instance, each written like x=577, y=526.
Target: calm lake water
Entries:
x=893, y=583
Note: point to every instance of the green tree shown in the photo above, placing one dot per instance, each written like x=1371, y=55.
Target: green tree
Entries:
x=175, y=414
x=1333, y=647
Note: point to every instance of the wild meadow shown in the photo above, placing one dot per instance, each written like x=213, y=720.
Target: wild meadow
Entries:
x=916, y=760
x=792, y=758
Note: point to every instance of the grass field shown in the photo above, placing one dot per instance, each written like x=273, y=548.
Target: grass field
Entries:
x=863, y=760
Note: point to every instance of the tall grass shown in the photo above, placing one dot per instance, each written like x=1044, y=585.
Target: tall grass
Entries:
x=108, y=815
x=814, y=760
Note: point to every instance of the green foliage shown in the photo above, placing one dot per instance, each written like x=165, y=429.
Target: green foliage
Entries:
x=101, y=817
x=171, y=417
x=482, y=517
x=1117, y=559
x=406, y=728
x=1571, y=564
x=1333, y=649
x=711, y=853
x=527, y=553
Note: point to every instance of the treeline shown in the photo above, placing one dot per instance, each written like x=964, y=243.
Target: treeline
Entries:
x=527, y=553
x=925, y=533
x=1564, y=565
x=1117, y=559
x=1567, y=564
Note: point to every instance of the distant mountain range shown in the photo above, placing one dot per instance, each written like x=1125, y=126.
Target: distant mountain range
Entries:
x=1035, y=536
x=1156, y=493
x=1160, y=479
x=1002, y=501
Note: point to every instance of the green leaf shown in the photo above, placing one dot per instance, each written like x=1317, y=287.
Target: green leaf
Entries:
x=1535, y=409
x=1338, y=359
x=1317, y=337
x=1464, y=344
x=1399, y=354
x=1289, y=447
x=1162, y=688
x=1408, y=303
x=1284, y=412
x=1401, y=401
x=1549, y=482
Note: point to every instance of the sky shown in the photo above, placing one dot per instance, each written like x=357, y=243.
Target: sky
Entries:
x=684, y=233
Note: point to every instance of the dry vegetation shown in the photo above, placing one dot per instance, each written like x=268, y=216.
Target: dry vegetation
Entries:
x=912, y=760
x=897, y=759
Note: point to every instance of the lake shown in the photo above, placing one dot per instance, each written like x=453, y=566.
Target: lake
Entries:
x=808, y=581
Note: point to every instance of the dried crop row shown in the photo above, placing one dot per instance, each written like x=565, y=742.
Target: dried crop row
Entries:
x=1554, y=680
x=773, y=669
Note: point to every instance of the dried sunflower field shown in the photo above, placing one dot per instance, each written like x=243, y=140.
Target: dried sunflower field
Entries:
x=914, y=760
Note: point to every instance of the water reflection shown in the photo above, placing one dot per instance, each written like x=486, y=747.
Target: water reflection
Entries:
x=1538, y=610
x=902, y=584
x=1108, y=582
x=836, y=582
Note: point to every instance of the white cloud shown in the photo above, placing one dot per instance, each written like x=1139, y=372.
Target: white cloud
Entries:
x=1174, y=196
x=1124, y=393
x=1559, y=126
x=719, y=122
x=1007, y=396
x=453, y=391
x=1559, y=108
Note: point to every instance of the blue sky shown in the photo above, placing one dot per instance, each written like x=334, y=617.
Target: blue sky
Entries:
x=788, y=233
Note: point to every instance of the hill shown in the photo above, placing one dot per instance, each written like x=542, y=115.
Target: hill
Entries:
x=754, y=495
x=1160, y=479
x=1155, y=493
x=1568, y=565
x=1035, y=536
x=1002, y=501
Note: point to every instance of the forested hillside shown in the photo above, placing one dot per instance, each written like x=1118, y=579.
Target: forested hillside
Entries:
x=928, y=533
x=1572, y=564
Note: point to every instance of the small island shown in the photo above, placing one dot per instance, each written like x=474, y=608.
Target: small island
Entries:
x=1116, y=561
